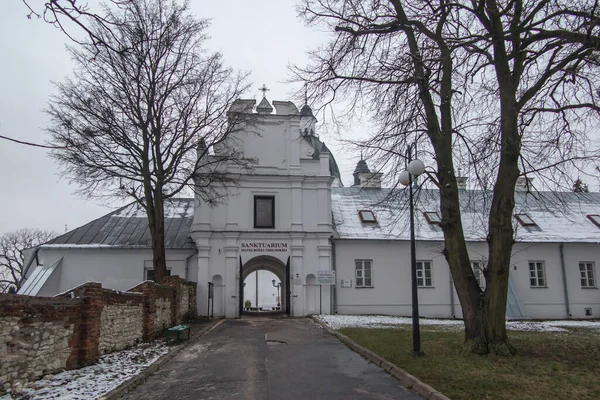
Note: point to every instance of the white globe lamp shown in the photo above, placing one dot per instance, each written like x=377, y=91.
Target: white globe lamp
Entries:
x=404, y=178
x=416, y=167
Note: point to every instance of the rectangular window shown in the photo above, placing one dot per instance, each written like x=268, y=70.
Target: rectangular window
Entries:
x=586, y=271
x=525, y=220
x=264, y=211
x=364, y=273
x=477, y=267
x=433, y=217
x=367, y=216
x=424, y=274
x=150, y=274
x=537, y=274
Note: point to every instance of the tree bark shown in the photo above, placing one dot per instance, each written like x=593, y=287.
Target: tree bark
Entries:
x=158, y=239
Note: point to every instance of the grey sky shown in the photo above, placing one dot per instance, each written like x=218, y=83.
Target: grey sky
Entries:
x=261, y=36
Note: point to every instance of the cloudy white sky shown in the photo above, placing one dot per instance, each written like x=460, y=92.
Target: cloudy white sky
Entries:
x=261, y=36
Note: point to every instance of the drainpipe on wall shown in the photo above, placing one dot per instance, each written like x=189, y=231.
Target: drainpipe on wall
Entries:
x=564, y=276
x=334, y=287
x=187, y=260
x=452, y=297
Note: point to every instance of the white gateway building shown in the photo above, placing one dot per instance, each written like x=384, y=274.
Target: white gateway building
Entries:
x=329, y=248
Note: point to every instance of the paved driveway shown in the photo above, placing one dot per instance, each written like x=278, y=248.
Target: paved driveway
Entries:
x=298, y=360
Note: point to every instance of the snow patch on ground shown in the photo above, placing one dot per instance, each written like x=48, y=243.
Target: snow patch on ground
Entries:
x=91, y=382
x=381, y=321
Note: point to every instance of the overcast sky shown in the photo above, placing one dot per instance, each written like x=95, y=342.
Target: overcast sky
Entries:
x=261, y=36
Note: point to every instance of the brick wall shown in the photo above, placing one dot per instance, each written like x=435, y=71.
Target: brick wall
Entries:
x=41, y=335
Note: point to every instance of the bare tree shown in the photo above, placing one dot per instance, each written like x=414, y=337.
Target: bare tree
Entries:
x=62, y=13
x=12, y=259
x=580, y=187
x=145, y=115
x=500, y=88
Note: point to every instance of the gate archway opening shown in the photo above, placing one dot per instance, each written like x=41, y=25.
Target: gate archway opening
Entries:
x=267, y=269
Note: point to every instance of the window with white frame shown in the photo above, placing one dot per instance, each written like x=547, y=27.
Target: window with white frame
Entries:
x=477, y=267
x=424, y=274
x=537, y=274
x=588, y=278
x=364, y=273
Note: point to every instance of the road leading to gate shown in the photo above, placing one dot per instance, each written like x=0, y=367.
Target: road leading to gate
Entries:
x=260, y=358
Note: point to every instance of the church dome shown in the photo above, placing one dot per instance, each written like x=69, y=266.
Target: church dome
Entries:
x=306, y=111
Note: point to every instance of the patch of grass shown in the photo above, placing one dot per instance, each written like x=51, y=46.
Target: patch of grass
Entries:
x=549, y=366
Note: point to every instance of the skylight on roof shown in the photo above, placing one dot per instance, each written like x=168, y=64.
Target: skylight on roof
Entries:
x=525, y=220
x=433, y=217
x=367, y=216
x=595, y=218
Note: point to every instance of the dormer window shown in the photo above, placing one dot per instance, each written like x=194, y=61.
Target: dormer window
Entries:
x=525, y=220
x=367, y=216
x=595, y=218
x=432, y=217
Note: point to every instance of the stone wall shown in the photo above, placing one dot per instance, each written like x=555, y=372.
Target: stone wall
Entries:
x=121, y=320
x=40, y=336
x=186, y=299
x=184, y=305
x=163, y=314
x=37, y=336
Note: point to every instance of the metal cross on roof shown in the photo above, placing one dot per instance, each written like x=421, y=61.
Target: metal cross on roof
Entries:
x=264, y=90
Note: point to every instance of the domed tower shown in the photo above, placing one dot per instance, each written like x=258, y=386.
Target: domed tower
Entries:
x=307, y=121
x=361, y=168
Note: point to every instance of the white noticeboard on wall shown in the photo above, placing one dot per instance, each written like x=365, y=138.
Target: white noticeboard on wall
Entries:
x=326, y=277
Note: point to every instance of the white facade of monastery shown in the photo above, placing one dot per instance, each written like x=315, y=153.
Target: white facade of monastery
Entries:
x=292, y=217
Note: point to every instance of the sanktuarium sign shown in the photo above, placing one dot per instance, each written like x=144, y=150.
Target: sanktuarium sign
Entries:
x=263, y=247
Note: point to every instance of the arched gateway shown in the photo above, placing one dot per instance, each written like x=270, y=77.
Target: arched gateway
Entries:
x=273, y=265
x=276, y=218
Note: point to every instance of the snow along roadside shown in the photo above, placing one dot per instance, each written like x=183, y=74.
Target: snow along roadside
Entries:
x=379, y=321
x=91, y=382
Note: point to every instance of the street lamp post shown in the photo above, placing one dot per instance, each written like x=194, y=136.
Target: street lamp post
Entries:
x=414, y=169
x=277, y=286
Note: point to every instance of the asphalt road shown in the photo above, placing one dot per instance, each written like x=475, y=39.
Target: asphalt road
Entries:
x=261, y=358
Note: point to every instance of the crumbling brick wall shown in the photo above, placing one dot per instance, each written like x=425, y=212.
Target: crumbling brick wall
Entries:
x=37, y=336
x=40, y=335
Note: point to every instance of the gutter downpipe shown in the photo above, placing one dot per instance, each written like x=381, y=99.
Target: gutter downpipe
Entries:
x=333, y=267
x=452, y=314
x=187, y=260
x=564, y=275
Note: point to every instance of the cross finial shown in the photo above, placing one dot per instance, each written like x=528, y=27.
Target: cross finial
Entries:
x=264, y=90
x=305, y=94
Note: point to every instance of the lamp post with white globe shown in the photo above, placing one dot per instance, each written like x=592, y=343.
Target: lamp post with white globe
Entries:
x=414, y=169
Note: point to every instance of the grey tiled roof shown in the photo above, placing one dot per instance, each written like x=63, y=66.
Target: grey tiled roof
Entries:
x=127, y=227
x=559, y=216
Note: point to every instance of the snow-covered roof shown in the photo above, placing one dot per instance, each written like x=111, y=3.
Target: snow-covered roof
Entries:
x=127, y=227
x=558, y=216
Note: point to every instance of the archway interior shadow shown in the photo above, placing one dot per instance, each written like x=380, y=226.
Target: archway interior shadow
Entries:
x=266, y=263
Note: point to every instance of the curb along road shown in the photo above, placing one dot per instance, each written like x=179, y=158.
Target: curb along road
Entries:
x=408, y=380
x=135, y=381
